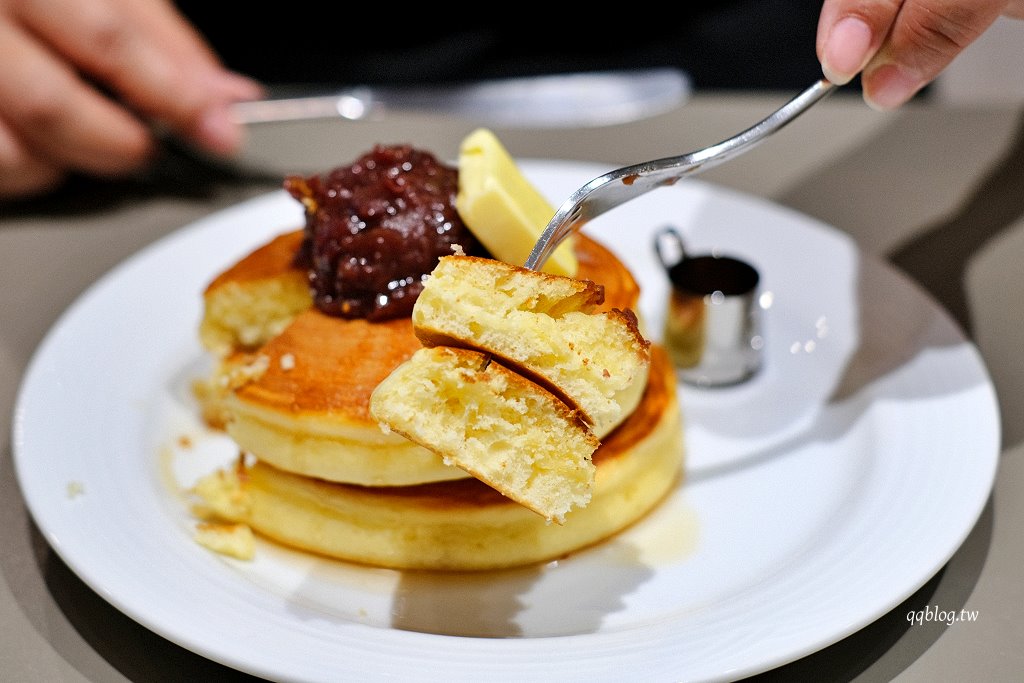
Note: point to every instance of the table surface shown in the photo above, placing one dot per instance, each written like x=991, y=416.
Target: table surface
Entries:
x=936, y=190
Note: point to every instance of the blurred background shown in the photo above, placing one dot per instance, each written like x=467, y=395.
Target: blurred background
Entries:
x=989, y=70
x=724, y=45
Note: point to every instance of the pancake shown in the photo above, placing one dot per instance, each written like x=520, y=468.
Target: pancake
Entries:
x=464, y=524
x=307, y=412
x=254, y=300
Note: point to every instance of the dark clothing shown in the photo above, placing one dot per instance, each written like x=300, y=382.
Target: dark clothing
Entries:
x=727, y=44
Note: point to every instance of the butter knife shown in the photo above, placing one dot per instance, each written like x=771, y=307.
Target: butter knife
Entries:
x=551, y=101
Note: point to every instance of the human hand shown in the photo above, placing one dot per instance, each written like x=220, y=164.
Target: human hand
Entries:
x=897, y=46
x=83, y=82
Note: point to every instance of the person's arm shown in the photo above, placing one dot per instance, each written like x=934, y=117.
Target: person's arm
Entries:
x=898, y=47
x=82, y=82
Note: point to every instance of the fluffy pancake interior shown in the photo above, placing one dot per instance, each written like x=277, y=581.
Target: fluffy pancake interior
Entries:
x=501, y=428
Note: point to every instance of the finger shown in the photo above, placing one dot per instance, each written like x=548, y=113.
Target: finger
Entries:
x=150, y=57
x=216, y=128
x=59, y=118
x=926, y=36
x=1014, y=9
x=180, y=39
x=22, y=175
x=850, y=32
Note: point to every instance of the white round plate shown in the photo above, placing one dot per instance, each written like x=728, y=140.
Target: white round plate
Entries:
x=817, y=496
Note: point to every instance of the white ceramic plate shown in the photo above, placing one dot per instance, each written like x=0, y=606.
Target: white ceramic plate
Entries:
x=819, y=495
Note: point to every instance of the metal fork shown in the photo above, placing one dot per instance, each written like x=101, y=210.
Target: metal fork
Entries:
x=619, y=186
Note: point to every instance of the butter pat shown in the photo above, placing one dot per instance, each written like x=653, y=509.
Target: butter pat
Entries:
x=502, y=208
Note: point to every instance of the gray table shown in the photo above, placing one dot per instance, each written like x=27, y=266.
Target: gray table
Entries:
x=937, y=191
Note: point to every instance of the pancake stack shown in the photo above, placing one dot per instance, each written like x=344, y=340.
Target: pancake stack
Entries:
x=292, y=387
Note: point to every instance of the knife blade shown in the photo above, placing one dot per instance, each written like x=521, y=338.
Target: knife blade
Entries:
x=552, y=101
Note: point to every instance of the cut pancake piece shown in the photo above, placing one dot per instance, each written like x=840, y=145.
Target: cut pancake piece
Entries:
x=543, y=326
x=254, y=300
x=460, y=525
x=503, y=429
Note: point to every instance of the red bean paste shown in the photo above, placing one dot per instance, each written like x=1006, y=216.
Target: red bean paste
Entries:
x=376, y=228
